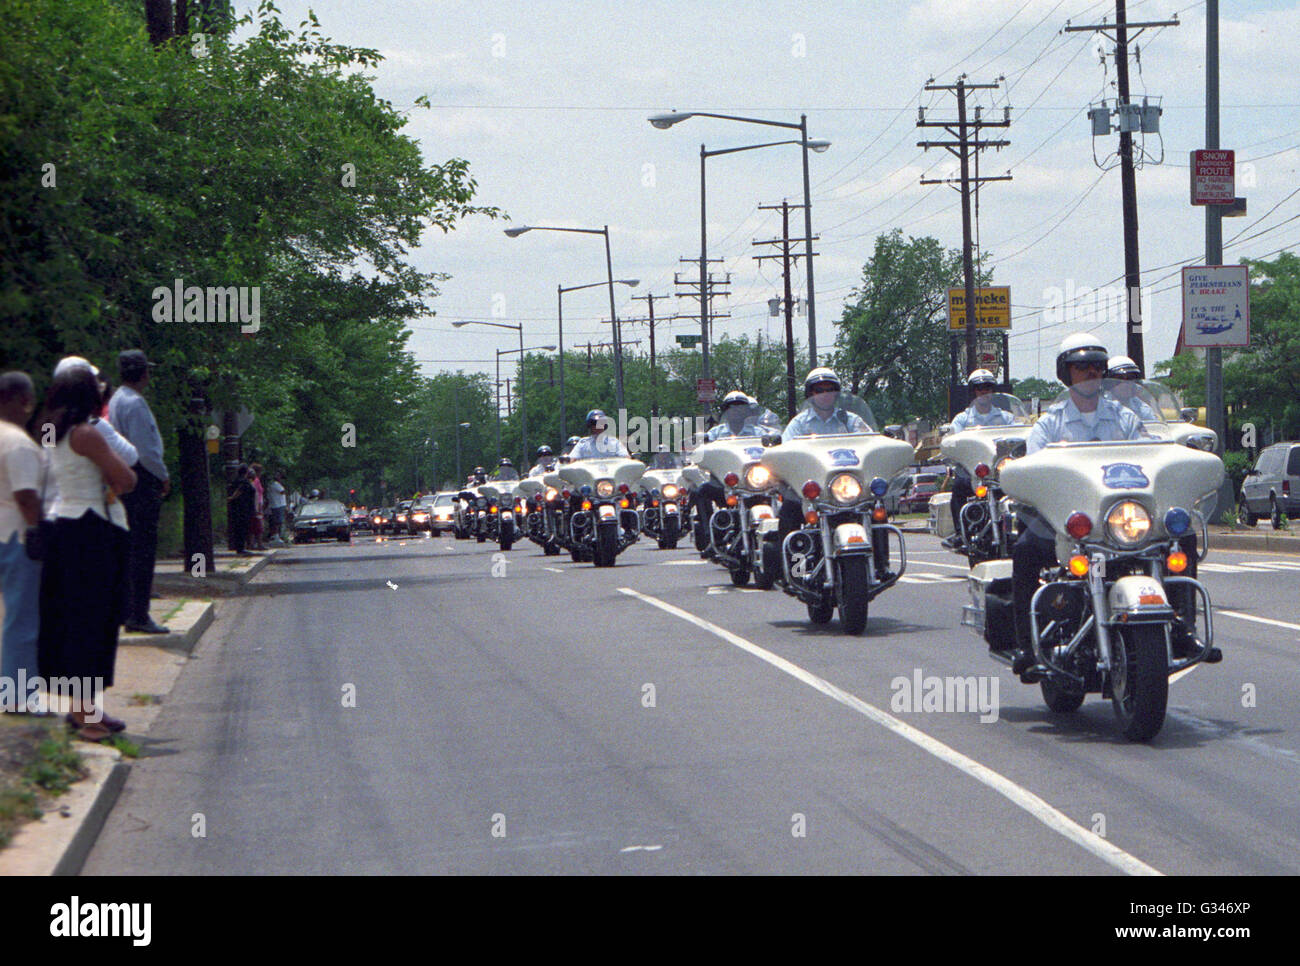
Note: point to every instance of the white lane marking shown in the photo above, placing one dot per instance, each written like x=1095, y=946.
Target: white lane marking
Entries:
x=641, y=848
x=554, y=570
x=1258, y=620
x=1248, y=567
x=1021, y=797
x=935, y=563
x=924, y=578
x=732, y=590
x=683, y=563
x=1183, y=673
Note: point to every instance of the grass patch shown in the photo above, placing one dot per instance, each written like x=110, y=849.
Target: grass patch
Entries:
x=140, y=698
x=174, y=609
x=37, y=762
x=127, y=747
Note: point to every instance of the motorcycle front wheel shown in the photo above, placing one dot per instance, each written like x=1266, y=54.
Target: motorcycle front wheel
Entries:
x=822, y=611
x=851, y=593
x=770, y=565
x=606, y=549
x=1060, y=699
x=1139, y=680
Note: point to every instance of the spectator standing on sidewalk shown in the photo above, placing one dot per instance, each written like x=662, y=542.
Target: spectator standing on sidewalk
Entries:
x=256, y=524
x=22, y=476
x=131, y=416
x=276, y=504
x=239, y=510
x=83, y=572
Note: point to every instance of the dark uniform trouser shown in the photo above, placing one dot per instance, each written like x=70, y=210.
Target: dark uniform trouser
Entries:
x=961, y=492
x=790, y=519
x=142, y=507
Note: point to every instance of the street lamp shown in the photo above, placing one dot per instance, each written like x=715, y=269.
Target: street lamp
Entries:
x=523, y=412
x=439, y=429
x=665, y=121
x=609, y=270
x=559, y=304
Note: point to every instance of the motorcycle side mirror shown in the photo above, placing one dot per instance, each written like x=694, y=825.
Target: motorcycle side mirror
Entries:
x=1187, y=414
x=771, y=439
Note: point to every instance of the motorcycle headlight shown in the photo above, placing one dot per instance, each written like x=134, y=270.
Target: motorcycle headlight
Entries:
x=605, y=488
x=757, y=476
x=670, y=491
x=1128, y=523
x=551, y=493
x=845, y=488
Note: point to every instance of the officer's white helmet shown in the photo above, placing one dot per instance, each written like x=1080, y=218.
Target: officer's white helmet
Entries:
x=822, y=375
x=1079, y=347
x=1122, y=367
x=981, y=377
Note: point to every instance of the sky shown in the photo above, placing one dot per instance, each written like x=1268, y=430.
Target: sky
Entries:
x=549, y=103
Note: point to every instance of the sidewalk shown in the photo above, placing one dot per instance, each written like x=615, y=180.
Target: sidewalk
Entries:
x=146, y=671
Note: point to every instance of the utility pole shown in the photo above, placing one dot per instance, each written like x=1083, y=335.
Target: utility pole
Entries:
x=967, y=139
x=649, y=299
x=690, y=288
x=1130, y=119
x=786, y=254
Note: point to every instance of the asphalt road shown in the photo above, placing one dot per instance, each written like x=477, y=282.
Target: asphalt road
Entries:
x=541, y=716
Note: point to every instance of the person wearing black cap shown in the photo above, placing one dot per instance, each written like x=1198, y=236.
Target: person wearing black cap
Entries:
x=131, y=416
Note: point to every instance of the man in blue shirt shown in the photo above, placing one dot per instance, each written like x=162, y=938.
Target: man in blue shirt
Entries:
x=981, y=412
x=130, y=415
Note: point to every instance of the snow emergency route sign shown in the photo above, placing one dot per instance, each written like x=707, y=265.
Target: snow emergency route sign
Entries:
x=1213, y=180
x=1216, y=306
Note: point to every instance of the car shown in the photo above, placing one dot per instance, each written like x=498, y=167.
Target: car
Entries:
x=359, y=519
x=916, y=498
x=420, y=516
x=1272, y=488
x=321, y=519
x=443, y=514
x=401, y=516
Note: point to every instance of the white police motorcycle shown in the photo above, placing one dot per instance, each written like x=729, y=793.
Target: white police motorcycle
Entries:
x=1102, y=621
x=842, y=556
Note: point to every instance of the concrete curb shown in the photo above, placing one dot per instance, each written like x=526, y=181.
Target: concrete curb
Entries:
x=224, y=584
x=196, y=616
x=1261, y=542
x=74, y=856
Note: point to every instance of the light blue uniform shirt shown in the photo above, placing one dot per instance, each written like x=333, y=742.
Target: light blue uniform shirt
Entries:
x=808, y=423
x=1143, y=411
x=971, y=416
x=1063, y=423
x=724, y=431
x=603, y=446
x=132, y=417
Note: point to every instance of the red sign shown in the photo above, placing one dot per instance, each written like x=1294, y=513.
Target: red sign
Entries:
x=1213, y=178
x=706, y=390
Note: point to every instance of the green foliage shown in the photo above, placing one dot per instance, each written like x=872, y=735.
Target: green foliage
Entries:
x=269, y=163
x=892, y=343
x=1035, y=388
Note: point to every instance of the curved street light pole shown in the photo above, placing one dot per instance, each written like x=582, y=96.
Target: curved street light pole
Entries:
x=664, y=121
x=559, y=312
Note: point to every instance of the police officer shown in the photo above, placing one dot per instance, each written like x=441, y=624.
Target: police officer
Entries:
x=823, y=416
x=506, y=469
x=597, y=444
x=981, y=412
x=737, y=414
x=545, y=461
x=1085, y=415
x=1125, y=373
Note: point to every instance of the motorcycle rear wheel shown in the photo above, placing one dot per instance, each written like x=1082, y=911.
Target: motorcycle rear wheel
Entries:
x=550, y=548
x=1059, y=698
x=1140, y=680
x=822, y=611
x=507, y=543
x=851, y=593
x=740, y=575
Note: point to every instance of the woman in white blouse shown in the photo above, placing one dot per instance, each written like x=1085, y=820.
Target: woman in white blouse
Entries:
x=85, y=568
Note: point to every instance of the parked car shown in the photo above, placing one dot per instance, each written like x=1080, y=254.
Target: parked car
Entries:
x=322, y=519
x=916, y=499
x=443, y=517
x=1272, y=488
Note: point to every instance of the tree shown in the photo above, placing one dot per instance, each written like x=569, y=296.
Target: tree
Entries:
x=1035, y=388
x=892, y=342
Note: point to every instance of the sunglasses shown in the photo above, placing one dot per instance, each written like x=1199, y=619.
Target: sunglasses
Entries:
x=825, y=387
x=982, y=388
x=1089, y=366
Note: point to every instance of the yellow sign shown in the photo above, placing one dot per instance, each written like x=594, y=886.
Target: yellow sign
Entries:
x=992, y=308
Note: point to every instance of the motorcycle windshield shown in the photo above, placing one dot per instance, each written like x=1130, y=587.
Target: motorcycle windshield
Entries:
x=758, y=421
x=507, y=473
x=1168, y=405
x=1129, y=394
x=665, y=461
x=1013, y=405
x=850, y=416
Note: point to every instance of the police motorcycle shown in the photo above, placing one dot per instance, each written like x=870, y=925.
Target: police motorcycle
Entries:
x=601, y=520
x=531, y=493
x=663, y=500
x=695, y=520
x=471, y=508
x=1161, y=412
x=1102, y=620
x=742, y=532
x=986, y=522
x=840, y=555
x=502, y=508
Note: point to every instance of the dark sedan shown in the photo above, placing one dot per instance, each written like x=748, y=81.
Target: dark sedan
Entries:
x=322, y=519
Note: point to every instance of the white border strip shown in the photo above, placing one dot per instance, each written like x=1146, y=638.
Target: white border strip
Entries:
x=1055, y=820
